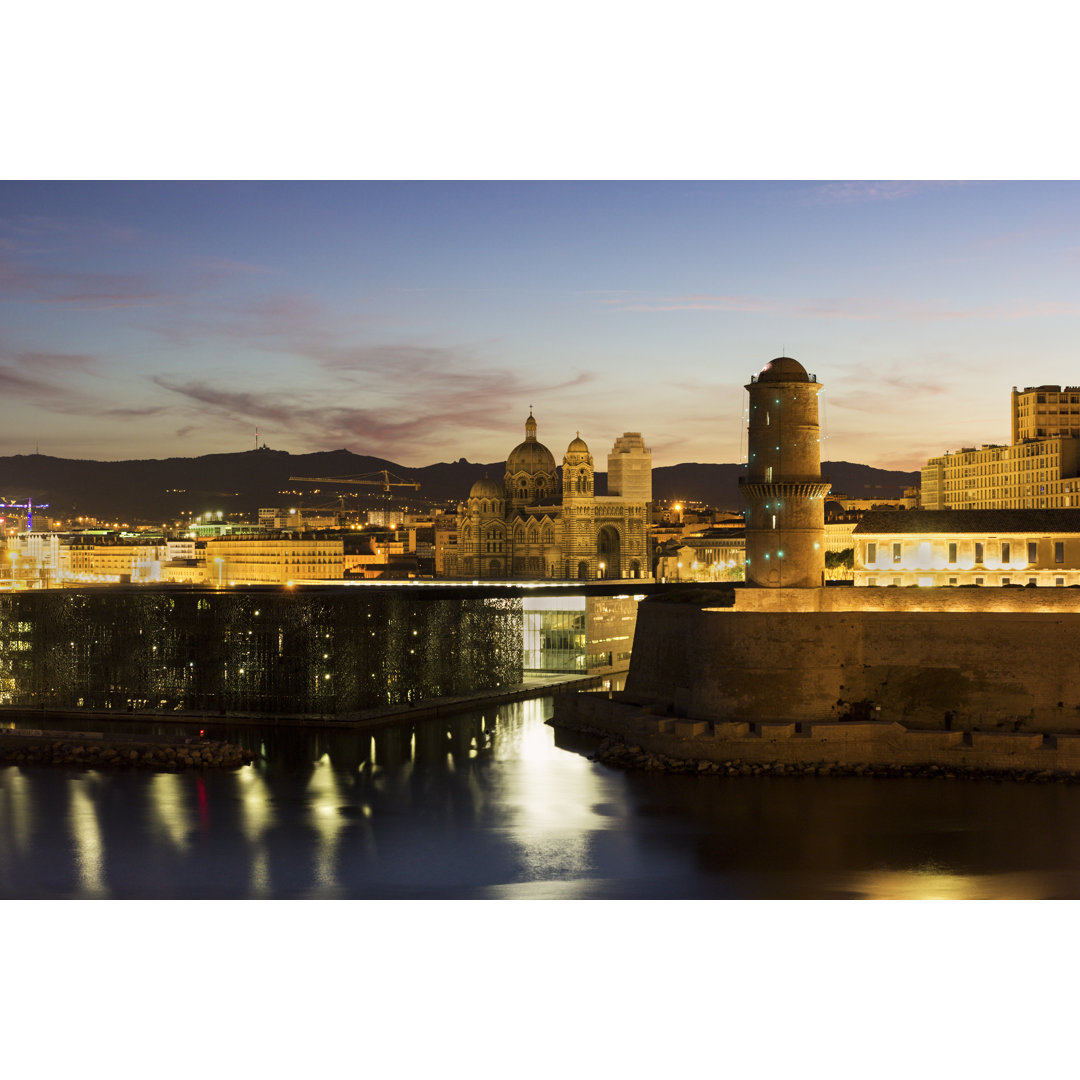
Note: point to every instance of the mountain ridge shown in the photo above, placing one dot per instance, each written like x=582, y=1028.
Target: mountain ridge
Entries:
x=160, y=489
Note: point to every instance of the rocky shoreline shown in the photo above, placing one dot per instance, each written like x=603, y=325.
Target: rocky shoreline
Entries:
x=104, y=753
x=631, y=756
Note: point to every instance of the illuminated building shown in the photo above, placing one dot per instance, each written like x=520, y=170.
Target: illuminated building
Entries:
x=1042, y=411
x=274, y=560
x=630, y=468
x=1041, y=474
x=1039, y=470
x=536, y=524
x=968, y=547
x=783, y=487
x=444, y=536
x=108, y=561
x=712, y=555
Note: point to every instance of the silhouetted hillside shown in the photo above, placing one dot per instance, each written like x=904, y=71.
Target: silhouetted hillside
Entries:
x=718, y=485
x=161, y=490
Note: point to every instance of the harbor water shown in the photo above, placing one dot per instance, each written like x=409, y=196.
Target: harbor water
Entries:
x=492, y=804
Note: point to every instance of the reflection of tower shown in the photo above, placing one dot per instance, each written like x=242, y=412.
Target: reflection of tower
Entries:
x=783, y=488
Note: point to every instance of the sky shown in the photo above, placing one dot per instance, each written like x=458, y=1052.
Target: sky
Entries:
x=420, y=321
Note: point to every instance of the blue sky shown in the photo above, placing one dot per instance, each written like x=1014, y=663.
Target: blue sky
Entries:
x=419, y=321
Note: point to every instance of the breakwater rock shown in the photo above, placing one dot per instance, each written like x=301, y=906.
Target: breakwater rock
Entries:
x=105, y=753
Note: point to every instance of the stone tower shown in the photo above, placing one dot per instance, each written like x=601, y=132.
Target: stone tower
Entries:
x=783, y=488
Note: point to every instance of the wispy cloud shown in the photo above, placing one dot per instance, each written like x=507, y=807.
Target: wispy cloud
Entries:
x=851, y=192
x=404, y=423
x=84, y=291
x=38, y=233
x=272, y=322
x=692, y=302
x=847, y=308
x=52, y=361
x=19, y=386
x=50, y=381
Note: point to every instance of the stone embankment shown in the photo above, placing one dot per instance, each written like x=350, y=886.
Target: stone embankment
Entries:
x=637, y=734
x=629, y=756
x=94, y=751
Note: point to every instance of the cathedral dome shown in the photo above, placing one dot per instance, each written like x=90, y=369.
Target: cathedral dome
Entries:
x=783, y=369
x=486, y=489
x=530, y=456
x=578, y=446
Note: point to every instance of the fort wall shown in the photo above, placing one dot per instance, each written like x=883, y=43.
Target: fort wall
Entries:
x=845, y=745
x=992, y=670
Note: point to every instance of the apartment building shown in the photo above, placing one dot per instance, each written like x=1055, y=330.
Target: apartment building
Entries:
x=968, y=547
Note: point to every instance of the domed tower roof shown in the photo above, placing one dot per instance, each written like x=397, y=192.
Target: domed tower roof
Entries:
x=783, y=369
x=578, y=446
x=530, y=456
x=486, y=488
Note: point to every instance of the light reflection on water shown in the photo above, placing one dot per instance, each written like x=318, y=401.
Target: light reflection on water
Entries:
x=487, y=804
x=89, y=848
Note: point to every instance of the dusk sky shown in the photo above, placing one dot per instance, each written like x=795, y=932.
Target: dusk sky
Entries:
x=419, y=321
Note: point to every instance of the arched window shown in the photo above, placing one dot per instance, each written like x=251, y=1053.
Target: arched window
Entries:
x=549, y=535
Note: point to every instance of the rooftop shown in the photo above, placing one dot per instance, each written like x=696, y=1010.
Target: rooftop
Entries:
x=958, y=522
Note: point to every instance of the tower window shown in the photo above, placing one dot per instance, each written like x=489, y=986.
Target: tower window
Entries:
x=768, y=474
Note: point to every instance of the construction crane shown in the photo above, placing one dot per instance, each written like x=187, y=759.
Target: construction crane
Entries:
x=364, y=478
x=28, y=506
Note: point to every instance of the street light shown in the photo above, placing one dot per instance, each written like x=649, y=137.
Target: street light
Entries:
x=602, y=566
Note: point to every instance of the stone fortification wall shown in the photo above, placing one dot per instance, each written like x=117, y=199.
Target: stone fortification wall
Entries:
x=988, y=670
x=849, y=746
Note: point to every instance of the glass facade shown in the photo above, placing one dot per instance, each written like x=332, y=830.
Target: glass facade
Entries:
x=555, y=634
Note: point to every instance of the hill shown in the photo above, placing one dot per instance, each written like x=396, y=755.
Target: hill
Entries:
x=162, y=490
x=718, y=485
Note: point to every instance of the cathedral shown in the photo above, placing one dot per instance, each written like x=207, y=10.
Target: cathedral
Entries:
x=538, y=524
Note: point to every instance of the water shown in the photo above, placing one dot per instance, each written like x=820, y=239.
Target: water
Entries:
x=486, y=805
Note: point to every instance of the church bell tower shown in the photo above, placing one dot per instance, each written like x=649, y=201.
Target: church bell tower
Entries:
x=783, y=488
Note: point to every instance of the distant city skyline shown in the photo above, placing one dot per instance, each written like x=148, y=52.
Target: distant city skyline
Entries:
x=419, y=321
